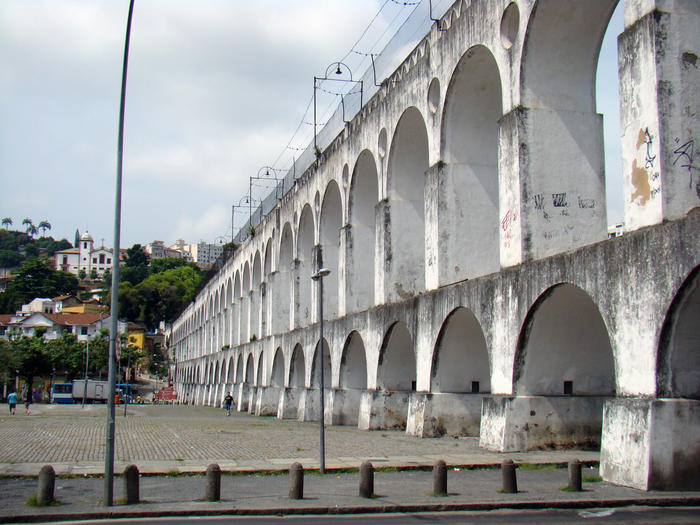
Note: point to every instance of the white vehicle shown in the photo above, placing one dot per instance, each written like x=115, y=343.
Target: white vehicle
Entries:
x=97, y=391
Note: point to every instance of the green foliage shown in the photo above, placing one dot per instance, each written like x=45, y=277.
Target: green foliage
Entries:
x=16, y=247
x=36, y=279
x=135, y=256
x=167, y=263
x=159, y=297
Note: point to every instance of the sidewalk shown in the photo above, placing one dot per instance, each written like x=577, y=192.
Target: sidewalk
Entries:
x=172, y=447
x=472, y=488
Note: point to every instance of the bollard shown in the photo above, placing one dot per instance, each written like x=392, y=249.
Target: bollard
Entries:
x=510, y=484
x=296, y=481
x=575, y=476
x=47, y=483
x=212, y=489
x=366, y=480
x=131, y=484
x=440, y=478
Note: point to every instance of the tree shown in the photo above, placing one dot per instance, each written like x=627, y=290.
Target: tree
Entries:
x=81, y=274
x=43, y=226
x=136, y=256
x=6, y=221
x=32, y=230
x=67, y=354
x=36, y=279
x=33, y=358
x=93, y=274
x=27, y=223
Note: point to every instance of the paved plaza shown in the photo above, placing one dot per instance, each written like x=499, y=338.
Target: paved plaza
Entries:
x=168, y=439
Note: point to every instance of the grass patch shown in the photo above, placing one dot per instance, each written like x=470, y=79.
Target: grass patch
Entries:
x=539, y=466
x=591, y=479
x=32, y=502
x=384, y=435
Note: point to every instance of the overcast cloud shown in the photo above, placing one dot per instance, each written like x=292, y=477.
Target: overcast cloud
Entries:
x=216, y=88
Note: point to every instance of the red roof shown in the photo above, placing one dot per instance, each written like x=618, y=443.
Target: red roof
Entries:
x=74, y=319
x=5, y=319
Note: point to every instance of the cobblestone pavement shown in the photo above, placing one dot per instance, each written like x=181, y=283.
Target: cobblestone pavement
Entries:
x=55, y=433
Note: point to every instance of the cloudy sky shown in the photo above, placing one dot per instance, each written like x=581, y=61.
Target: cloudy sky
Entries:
x=216, y=90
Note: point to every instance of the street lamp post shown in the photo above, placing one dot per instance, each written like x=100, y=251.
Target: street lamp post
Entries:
x=318, y=276
x=87, y=360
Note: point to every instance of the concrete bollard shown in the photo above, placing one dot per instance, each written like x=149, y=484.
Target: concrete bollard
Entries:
x=510, y=484
x=131, y=484
x=47, y=483
x=575, y=476
x=296, y=481
x=440, y=478
x=212, y=489
x=366, y=480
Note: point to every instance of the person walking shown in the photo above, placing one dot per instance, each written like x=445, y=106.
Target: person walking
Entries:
x=27, y=402
x=227, y=403
x=12, y=401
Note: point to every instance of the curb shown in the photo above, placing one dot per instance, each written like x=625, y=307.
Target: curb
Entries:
x=382, y=509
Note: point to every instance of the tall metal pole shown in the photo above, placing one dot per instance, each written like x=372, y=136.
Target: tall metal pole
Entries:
x=318, y=276
x=109, y=445
x=320, y=351
x=87, y=360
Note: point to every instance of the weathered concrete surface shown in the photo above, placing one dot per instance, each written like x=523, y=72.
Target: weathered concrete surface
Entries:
x=461, y=213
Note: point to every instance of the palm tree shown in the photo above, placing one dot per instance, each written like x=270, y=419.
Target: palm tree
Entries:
x=27, y=223
x=32, y=230
x=6, y=221
x=43, y=226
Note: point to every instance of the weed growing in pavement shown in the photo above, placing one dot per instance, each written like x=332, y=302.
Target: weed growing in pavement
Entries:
x=539, y=466
x=32, y=502
x=591, y=479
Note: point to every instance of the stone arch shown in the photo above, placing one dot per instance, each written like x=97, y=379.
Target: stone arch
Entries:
x=250, y=370
x=245, y=303
x=557, y=105
x=361, y=218
x=236, y=309
x=296, y=368
x=327, y=367
x=564, y=338
x=561, y=53
x=255, y=297
x=397, y=360
x=352, y=381
x=678, y=366
x=305, y=259
x=461, y=359
x=259, y=375
x=284, y=281
x=468, y=200
x=353, y=363
x=405, y=241
x=564, y=370
x=330, y=224
x=277, y=372
x=230, y=378
x=239, y=369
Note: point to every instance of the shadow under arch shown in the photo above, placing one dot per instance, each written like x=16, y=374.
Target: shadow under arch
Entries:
x=678, y=357
x=469, y=179
x=564, y=370
x=352, y=381
x=396, y=377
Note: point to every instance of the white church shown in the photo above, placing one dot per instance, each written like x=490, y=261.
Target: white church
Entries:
x=84, y=257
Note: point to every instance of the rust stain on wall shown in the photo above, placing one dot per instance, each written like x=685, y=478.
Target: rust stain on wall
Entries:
x=640, y=181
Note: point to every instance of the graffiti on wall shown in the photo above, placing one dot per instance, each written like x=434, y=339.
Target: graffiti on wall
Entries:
x=644, y=180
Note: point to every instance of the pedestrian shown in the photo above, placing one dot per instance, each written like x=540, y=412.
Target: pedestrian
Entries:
x=227, y=403
x=27, y=402
x=12, y=401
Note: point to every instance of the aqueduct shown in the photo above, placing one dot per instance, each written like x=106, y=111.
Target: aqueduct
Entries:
x=473, y=290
